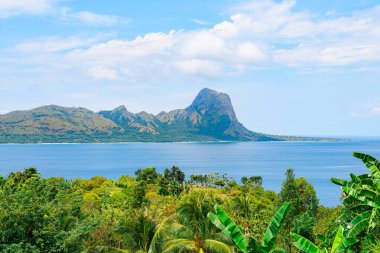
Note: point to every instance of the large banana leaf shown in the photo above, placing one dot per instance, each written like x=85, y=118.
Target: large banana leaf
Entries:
x=376, y=182
x=355, y=179
x=359, y=194
x=345, y=183
x=216, y=221
x=275, y=225
x=370, y=194
x=341, y=243
x=345, y=243
x=350, y=200
x=359, y=223
x=351, y=212
x=372, y=163
x=222, y=221
x=367, y=158
x=324, y=239
x=339, y=181
x=373, y=168
x=338, y=239
x=305, y=245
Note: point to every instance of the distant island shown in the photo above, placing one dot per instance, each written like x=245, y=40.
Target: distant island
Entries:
x=210, y=117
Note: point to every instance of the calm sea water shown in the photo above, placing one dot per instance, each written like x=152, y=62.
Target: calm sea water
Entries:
x=316, y=161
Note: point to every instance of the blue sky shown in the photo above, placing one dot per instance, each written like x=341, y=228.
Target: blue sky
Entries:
x=290, y=67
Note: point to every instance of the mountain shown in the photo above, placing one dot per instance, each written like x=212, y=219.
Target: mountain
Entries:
x=210, y=117
x=56, y=124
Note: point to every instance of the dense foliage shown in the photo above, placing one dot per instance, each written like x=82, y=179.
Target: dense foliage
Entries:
x=156, y=212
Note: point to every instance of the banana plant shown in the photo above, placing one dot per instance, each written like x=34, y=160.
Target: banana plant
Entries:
x=246, y=243
x=362, y=198
x=340, y=243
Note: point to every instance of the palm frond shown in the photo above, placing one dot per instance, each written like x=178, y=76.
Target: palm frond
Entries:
x=214, y=246
x=179, y=245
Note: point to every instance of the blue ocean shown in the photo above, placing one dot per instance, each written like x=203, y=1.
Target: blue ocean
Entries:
x=316, y=161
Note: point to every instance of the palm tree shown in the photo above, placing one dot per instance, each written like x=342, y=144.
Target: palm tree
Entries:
x=137, y=234
x=242, y=206
x=251, y=211
x=190, y=230
x=104, y=249
x=138, y=231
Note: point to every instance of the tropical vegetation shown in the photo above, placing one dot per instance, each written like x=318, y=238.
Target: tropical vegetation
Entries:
x=167, y=212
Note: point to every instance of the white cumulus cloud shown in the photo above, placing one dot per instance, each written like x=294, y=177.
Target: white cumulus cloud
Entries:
x=17, y=7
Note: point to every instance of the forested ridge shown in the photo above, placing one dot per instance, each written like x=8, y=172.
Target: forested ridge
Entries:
x=171, y=212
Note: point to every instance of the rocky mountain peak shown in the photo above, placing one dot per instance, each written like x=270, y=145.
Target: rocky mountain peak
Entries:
x=211, y=102
x=120, y=108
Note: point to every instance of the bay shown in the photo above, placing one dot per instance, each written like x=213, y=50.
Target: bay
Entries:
x=316, y=161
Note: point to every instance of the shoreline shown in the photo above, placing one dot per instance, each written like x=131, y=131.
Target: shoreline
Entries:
x=181, y=142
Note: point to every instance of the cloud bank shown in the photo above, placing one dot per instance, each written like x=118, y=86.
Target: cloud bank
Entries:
x=10, y=8
x=259, y=34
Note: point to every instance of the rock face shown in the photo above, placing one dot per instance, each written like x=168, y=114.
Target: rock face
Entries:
x=216, y=116
x=210, y=117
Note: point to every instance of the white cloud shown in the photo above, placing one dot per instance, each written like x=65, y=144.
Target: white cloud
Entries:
x=297, y=38
x=91, y=18
x=337, y=54
x=200, y=22
x=56, y=44
x=249, y=52
x=17, y=7
x=9, y=8
x=103, y=73
x=258, y=34
x=95, y=19
x=202, y=52
x=200, y=67
x=202, y=44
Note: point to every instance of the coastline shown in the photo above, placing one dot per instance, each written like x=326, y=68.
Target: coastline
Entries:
x=183, y=142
